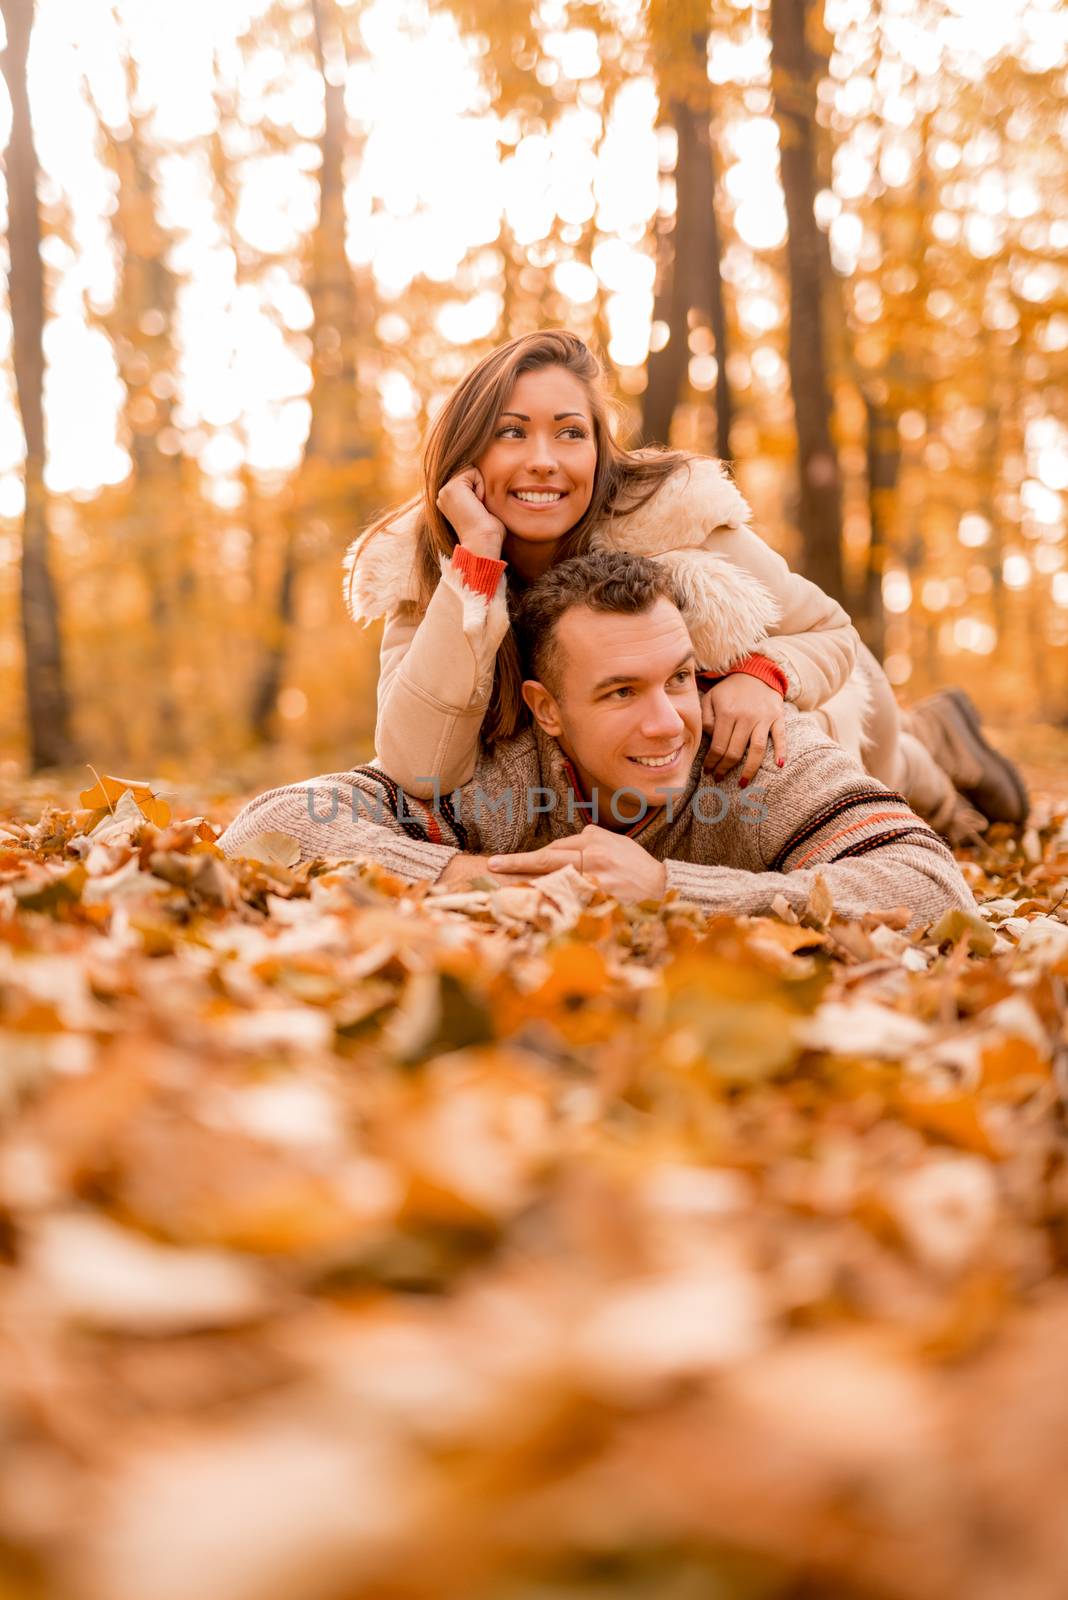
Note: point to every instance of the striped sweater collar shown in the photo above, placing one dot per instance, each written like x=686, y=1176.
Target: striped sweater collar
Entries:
x=558, y=774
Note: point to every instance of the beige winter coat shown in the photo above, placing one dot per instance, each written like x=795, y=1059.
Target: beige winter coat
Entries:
x=436, y=668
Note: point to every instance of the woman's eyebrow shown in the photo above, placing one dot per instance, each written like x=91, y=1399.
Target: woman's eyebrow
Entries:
x=558, y=416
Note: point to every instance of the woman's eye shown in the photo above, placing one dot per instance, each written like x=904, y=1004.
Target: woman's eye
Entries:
x=513, y=429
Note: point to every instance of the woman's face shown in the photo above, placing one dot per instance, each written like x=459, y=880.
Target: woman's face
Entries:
x=540, y=464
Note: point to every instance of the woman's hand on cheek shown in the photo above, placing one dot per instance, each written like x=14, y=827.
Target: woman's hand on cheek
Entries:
x=740, y=713
x=462, y=501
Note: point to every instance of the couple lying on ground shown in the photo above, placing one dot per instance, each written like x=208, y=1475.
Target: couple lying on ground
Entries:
x=609, y=777
x=520, y=474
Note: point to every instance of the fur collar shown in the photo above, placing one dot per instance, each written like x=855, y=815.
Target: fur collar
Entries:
x=728, y=611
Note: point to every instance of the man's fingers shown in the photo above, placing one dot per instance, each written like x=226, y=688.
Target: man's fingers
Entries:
x=531, y=862
x=758, y=743
x=778, y=739
x=527, y=865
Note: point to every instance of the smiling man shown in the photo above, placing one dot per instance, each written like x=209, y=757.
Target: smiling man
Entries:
x=609, y=778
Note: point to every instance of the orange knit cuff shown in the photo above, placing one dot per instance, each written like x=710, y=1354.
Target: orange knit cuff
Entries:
x=755, y=666
x=480, y=573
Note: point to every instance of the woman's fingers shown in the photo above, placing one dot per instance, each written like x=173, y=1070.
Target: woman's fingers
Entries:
x=778, y=739
x=722, y=733
x=758, y=744
x=735, y=749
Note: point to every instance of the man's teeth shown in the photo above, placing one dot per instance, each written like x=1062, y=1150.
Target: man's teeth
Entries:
x=538, y=497
x=656, y=761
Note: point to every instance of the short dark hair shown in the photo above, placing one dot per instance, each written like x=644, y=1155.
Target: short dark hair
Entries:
x=603, y=580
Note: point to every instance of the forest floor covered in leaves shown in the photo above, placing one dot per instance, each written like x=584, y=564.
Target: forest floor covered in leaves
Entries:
x=361, y=1243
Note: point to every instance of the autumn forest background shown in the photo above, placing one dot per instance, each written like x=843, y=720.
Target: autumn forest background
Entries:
x=372, y=1240
x=251, y=244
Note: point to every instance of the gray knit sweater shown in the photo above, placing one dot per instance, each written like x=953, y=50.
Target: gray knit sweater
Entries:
x=729, y=850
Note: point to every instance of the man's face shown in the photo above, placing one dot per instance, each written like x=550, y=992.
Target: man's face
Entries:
x=626, y=708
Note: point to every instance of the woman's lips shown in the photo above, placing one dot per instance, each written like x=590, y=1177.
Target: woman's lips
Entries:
x=540, y=505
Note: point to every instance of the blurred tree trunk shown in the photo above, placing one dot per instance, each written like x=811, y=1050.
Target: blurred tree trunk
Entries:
x=794, y=84
x=47, y=703
x=141, y=329
x=334, y=436
x=884, y=464
x=689, y=278
x=511, y=298
x=708, y=254
x=667, y=365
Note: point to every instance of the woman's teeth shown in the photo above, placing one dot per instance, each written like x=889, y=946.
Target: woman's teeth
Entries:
x=657, y=761
x=539, y=498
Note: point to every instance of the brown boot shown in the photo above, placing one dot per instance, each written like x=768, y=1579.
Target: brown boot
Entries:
x=959, y=823
x=947, y=724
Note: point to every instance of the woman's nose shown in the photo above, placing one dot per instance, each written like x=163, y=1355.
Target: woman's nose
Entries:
x=541, y=453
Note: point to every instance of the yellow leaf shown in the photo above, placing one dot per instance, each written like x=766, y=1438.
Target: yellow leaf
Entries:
x=956, y=925
x=819, y=906
x=108, y=790
x=53, y=892
x=955, y=1118
x=282, y=849
x=1008, y=1060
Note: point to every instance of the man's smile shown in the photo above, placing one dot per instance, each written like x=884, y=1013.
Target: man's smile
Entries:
x=655, y=763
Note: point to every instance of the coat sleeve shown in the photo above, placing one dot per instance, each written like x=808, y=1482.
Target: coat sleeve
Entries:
x=814, y=641
x=436, y=677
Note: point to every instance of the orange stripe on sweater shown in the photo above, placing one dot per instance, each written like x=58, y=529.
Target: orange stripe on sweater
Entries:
x=432, y=828
x=880, y=816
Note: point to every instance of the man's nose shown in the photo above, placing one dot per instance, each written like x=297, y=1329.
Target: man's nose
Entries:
x=661, y=715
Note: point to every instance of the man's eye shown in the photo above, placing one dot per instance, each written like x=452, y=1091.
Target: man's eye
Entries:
x=622, y=691
x=684, y=676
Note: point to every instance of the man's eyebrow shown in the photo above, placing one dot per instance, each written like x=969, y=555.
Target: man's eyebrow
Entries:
x=629, y=677
x=558, y=416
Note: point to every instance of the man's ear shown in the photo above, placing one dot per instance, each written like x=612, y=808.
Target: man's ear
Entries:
x=544, y=708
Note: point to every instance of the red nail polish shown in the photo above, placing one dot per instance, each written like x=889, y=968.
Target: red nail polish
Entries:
x=782, y=761
x=743, y=783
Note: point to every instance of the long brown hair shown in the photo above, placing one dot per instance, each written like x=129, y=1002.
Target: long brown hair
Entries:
x=460, y=434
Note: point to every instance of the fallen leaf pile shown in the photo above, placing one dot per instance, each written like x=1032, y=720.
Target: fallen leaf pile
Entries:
x=367, y=1243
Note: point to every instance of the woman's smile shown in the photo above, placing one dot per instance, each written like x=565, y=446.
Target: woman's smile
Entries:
x=538, y=497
